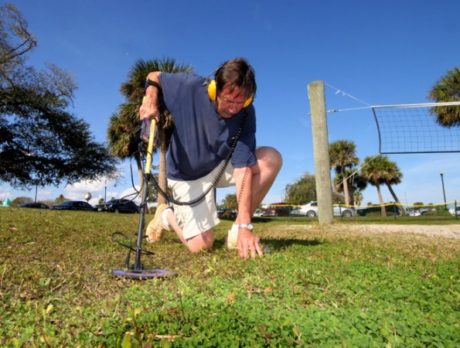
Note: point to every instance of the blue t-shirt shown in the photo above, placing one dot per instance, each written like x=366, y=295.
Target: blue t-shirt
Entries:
x=201, y=138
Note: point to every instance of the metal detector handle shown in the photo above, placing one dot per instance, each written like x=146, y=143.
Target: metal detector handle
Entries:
x=151, y=125
x=148, y=135
x=145, y=130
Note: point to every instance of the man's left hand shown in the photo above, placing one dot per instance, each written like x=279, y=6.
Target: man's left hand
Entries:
x=248, y=244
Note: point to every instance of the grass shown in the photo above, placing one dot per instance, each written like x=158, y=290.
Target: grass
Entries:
x=314, y=288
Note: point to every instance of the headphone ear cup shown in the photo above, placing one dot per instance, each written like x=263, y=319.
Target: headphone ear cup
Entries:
x=248, y=101
x=212, y=90
x=212, y=94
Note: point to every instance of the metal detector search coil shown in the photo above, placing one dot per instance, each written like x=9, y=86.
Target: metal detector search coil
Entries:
x=143, y=274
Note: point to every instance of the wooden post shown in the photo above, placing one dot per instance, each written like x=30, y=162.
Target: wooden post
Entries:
x=321, y=151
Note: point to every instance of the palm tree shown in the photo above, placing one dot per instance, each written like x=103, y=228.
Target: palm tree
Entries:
x=357, y=198
x=447, y=89
x=230, y=202
x=355, y=182
x=394, y=177
x=381, y=170
x=372, y=171
x=124, y=129
x=124, y=133
x=342, y=154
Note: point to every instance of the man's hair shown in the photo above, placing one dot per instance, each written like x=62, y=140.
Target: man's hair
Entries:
x=238, y=73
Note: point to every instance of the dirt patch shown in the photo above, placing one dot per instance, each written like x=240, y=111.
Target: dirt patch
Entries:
x=443, y=231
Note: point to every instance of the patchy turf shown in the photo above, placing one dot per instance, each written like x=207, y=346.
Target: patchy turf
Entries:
x=316, y=287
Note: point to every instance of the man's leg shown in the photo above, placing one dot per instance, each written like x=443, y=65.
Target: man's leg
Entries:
x=195, y=244
x=268, y=165
x=193, y=224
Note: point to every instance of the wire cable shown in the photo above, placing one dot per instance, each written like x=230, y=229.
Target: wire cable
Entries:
x=115, y=238
x=213, y=184
x=339, y=91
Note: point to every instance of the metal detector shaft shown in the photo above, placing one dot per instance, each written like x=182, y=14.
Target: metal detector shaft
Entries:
x=147, y=169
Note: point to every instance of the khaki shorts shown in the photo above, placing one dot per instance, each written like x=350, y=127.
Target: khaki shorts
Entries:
x=201, y=217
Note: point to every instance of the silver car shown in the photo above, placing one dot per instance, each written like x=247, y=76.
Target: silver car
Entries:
x=311, y=210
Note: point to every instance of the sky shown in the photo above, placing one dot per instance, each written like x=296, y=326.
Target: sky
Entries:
x=367, y=53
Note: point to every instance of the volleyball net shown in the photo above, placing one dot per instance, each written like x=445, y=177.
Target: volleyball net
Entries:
x=413, y=128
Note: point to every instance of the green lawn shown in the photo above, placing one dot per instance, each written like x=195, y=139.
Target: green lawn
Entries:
x=315, y=287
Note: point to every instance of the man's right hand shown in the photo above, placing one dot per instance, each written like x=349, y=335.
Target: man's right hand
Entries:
x=149, y=107
x=248, y=244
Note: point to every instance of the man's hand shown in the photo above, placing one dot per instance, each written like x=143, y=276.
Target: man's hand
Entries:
x=149, y=108
x=248, y=244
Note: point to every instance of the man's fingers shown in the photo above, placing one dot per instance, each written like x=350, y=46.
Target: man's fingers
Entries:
x=243, y=252
x=259, y=250
x=242, y=249
x=252, y=249
x=248, y=245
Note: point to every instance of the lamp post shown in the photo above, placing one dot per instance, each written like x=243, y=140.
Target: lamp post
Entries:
x=443, y=190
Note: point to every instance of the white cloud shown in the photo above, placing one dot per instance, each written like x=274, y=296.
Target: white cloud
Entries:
x=45, y=194
x=4, y=194
x=97, y=189
x=78, y=190
x=129, y=193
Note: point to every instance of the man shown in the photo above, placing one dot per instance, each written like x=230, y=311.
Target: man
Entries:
x=208, y=116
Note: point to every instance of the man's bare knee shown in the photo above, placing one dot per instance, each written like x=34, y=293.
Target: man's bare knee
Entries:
x=201, y=242
x=269, y=157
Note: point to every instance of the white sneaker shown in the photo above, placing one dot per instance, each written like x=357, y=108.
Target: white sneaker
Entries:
x=232, y=237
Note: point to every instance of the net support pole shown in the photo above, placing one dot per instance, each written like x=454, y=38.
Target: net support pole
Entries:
x=321, y=151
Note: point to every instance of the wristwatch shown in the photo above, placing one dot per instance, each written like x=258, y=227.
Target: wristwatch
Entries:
x=249, y=227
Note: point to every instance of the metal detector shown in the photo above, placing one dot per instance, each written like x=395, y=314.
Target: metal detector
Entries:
x=136, y=270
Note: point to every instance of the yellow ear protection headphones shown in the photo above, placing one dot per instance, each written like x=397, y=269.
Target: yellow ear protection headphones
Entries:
x=212, y=94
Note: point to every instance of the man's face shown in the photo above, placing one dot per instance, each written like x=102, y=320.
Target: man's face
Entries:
x=230, y=101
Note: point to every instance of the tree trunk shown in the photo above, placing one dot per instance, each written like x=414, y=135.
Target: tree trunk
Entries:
x=345, y=191
x=162, y=180
x=382, y=204
x=402, y=211
x=352, y=196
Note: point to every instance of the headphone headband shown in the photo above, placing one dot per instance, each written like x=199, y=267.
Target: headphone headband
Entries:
x=212, y=94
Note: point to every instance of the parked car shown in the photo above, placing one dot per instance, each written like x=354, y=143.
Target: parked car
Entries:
x=455, y=211
x=258, y=213
x=391, y=209
x=417, y=212
x=36, y=205
x=297, y=212
x=119, y=206
x=311, y=210
x=269, y=212
x=74, y=205
x=227, y=214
